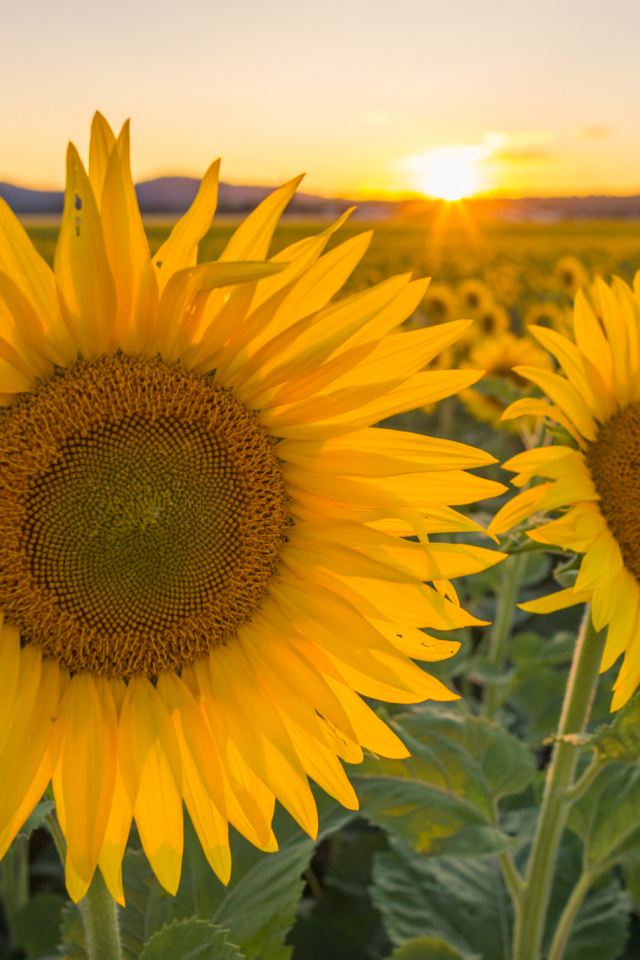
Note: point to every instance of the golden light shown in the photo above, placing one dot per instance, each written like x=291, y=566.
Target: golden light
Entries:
x=449, y=173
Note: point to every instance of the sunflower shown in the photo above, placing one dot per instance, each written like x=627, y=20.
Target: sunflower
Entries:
x=204, y=557
x=474, y=296
x=497, y=357
x=593, y=479
x=550, y=315
x=440, y=303
x=571, y=274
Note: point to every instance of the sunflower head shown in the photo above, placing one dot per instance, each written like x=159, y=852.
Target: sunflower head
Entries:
x=474, y=297
x=571, y=275
x=591, y=485
x=440, y=303
x=209, y=550
x=498, y=356
x=550, y=315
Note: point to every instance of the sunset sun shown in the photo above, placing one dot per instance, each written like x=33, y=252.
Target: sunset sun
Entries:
x=450, y=173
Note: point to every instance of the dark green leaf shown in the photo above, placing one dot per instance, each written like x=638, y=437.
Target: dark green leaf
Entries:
x=190, y=939
x=600, y=929
x=426, y=948
x=442, y=798
x=36, y=818
x=606, y=817
x=631, y=873
x=463, y=902
x=36, y=924
x=258, y=907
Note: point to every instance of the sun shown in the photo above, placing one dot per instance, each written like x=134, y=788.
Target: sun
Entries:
x=450, y=173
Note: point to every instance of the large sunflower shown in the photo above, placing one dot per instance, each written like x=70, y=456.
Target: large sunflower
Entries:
x=204, y=557
x=594, y=477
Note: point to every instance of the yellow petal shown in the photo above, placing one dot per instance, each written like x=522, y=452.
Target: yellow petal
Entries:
x=88, y=765
x=101, y=145
x=376, y=452
x=562, y=393
x=529, y=406
x=191, y=726
x=265, y=746
x=180, y=249
x=252, y=238
x=82, y=269
x=518, y=508
x=127, y=248
x=559, y=600
x=115, y=839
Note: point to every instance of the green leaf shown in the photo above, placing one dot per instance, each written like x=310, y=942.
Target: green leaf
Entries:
x=442, y=799
x=620, y=740
x=631, y=873
x=190, y=939
x=461, y=901
x=601, y=927
x=426, y=948
x=36, y=924
x=338, y=920
x=36, y=818
x=606, y=817
x=259, y=905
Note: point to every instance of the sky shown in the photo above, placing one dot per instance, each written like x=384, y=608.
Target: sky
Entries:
x=370, y=97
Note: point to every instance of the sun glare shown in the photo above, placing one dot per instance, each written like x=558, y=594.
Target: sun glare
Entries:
x=449, y=173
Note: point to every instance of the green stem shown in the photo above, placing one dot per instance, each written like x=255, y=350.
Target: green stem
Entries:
x=579, y=695
x=583, y=783
x=100, y=918
x=512, y=571
x=565, y=924
x=98, y=909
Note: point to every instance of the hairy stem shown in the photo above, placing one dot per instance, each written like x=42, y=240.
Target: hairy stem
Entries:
x=100, y=918
x=98, y=909
x=578, y=699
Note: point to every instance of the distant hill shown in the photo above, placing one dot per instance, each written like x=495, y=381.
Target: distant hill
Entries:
x=174, y=195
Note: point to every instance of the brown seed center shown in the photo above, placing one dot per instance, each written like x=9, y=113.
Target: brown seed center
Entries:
x=142, y=509
x=613, y=460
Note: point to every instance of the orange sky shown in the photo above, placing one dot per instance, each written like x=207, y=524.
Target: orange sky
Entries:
x=543, y=97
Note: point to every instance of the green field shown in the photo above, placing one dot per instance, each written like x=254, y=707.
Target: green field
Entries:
x=410, y=870
x=524, y=253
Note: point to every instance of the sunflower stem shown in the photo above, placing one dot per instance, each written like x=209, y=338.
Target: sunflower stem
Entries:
x=581, y=687
x=512, y=572
x=100, y=919
x=98, y=909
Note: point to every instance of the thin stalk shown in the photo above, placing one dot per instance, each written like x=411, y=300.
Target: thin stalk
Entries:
x=100, y=919
x=512, y=571
x=579, y=694
x=583, y=783
x=566, y=921
x=98, y=909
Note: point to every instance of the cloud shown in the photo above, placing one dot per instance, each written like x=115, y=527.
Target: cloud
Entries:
x=597, y=131
x=523, y=147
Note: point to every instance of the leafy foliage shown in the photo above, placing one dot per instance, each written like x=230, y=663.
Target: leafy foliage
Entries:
x=442, y=799
x=190, y=939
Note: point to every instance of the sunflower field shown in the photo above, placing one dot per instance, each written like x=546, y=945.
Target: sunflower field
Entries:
x=489, y=803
